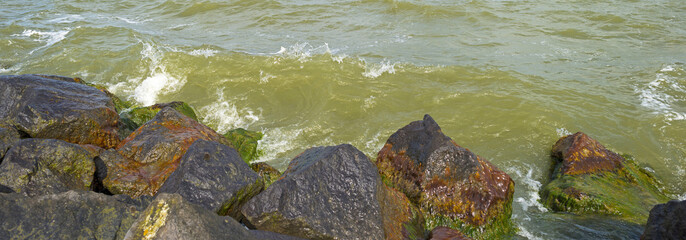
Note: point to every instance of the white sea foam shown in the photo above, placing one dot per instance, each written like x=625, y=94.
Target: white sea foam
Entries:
x=206, y=52
x=159, y=81
x=226, y=116
x=525, y=233
x=561, y=132
x=133, y=21
x=264, y=77
x=47, y=37
x=377, y=69
x=532, y=198
x=304, y=51
x=277, y=141
x=666, y=94
x=369, y=102
x=70, y=18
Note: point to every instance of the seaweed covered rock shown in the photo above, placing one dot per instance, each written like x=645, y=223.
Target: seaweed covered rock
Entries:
x=137, y=116
x=452, y=186
x=8, y=137
x=268, y=173
x=212, y=175
x=145, y=159
x=326, y=193
x=245, y=142
x=589, y=179
x=67, y=215
x=445, y=233
x=43, y=166
x=169, y=216
x=666, y=221
x=53, y=107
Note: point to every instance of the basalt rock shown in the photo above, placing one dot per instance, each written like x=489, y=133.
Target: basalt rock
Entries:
x=453, y=186
x=137, y=116
x=144, y=160
x=444, y=233
x=268, y=173
x=8, y=137
x=54, y=107
x=67, y=215
x=44, y=166
x=589, y=179
x=213, y=176
x=666, y=221
x=169, y=216
x=331, y=193
x=245, y=143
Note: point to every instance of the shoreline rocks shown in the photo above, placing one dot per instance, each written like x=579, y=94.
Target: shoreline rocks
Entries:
x=451, y=185
x=587, y=177
x=666, y=221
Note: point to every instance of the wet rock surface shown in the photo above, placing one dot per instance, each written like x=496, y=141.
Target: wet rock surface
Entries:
x=151, y=153
x=137, y=116
x=589, y=179
x=214, y=176
x=8, y=137
x=245, y=142
x=268, y=173
x=169, y=216
x=326, y=193
x=67, y=215
x=453, y=186
x=444, y=233
x=45, y=166
x=666, y=221
x=54, y=107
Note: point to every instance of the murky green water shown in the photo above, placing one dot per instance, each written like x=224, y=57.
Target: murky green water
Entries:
x=502, y=78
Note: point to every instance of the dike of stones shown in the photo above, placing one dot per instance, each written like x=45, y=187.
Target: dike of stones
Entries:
x=77, y=162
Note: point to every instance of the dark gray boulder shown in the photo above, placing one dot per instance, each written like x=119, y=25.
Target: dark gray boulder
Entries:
x=67, y=215
x=326, y=193
x=44, y=166
x=214, y=176
x=52, y=107
x=666, y=221
x=267, y=235
x=8, y=137
x=169, y=216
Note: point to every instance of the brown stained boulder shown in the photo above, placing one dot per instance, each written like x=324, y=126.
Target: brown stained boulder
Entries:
x=45, y=166
x=53, y=107
x=151, y=153
x=333, y=192
x=453, y=186
x=666, y=221
x=580, y=155
x=588, y=179
x=214, y=176
x=444, y=233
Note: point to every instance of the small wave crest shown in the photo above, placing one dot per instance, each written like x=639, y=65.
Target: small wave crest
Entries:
x=47, y=37
x=224, y=116
x=666, y=94
x=159, y=80
x=305, y=51
x=375, y=70
x=532, y=199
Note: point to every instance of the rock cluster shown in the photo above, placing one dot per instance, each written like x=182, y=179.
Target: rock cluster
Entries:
x=78, y=162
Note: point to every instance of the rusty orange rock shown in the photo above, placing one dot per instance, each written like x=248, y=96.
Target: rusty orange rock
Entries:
x=452, y=186
x=581, y=154
x=151, y=153
x=444, y=233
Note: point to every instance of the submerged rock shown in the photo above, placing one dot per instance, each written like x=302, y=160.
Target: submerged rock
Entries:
x=135, y=117
x=67, y=215
x=245, y=142
x=169, y=216
x=453, y=186
x=45, y=166
x=58, y=108
x=212, y=175
x=589, y=179
x=268, y=173
x=146, y=158
x=8, y=137
x=666, y=221
x=328, y=193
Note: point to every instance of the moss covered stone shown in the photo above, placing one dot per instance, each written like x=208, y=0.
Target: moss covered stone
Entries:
x=245, y=142
x=137, y=116
x=589, y=179
x=268, y=173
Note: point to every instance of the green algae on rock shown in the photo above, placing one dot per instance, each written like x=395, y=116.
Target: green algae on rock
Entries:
x=589, y=179
x=245, y=142
x=136, y=116
x=44, y=166
x=268, y=173
x=452, y=186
